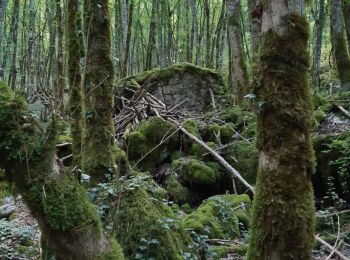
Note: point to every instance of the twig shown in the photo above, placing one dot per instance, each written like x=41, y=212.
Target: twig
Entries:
x=336, y=241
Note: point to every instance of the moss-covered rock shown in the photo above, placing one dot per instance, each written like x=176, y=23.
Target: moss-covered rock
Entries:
x=220, y=252
x=153, y=141
x=176, y=191
x=177, y=83
x=147, y=227
x=194, y=172
x=219, y=216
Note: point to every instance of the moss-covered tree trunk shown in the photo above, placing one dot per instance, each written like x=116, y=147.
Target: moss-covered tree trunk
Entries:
x=283, y=215
x=255, y=21
x=98, y=137
x=66, y=217
x=75, y=50
x=237, y=67
x=339, y=44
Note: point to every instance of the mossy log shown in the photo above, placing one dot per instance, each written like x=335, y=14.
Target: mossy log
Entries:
x=66, y=217
x=283, y=212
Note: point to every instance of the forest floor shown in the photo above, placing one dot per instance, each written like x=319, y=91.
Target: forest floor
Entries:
x=20, y=237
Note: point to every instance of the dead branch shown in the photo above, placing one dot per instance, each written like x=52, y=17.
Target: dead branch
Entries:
x=339, y=254
x=215, y=154
x=343, y=110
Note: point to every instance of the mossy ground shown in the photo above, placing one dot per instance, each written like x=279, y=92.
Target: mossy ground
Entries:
x=219, y=217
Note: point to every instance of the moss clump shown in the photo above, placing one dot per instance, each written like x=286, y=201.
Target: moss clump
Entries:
x=154, y=140
x=177, y=192
x=321, y=106
x=198, y=150
x=164, y=74
x=246, y=160
x=220, y=252
x=191, y=127
x=227, y=132
x=194, y=172
x=146, y=227
x=219, y=217
x=231, y=115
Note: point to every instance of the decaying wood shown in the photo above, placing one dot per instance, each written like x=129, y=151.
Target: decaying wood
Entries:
x=331, y=248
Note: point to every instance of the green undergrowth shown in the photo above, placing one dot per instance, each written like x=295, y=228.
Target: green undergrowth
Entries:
x=144, y=222
x=332, y=180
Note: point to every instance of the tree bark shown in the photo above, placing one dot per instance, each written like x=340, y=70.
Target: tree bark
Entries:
x=14, y=28
x=339, y=44
x=317, y=42
x=124, y=71
x=152, y=37
x=59, y=83
x=346, y=14
x=75, y=53
x=283, y=212
x=255, y=21
x=66, y=217
x=98, y=138
x=237, y=68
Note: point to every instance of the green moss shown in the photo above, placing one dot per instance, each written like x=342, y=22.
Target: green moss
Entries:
x=283, y=216
x=115, y=252
x=121, y=159
x=194, y=172
x=246, y=160
x=219, y=217
x=220, y=252
x=164, y=74
x=177, y=192
x=154, y=140
x=227, y=132
x=231, y=115
x=148, y=228
x=198, y=150
x=191, y=127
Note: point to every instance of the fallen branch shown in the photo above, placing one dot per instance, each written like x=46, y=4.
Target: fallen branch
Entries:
x=320, y=240
x=224, y=242
x=343, y=110
x=223, y=162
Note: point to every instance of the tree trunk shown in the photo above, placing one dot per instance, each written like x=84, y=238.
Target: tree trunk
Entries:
x=195, y=32
x=339, y=44
x=124, y=71
x=13, y=33
x=75, y=53
x=317, y=38
x=237, y=68
x=59, y=84
x=255, y=21
x=98, y=139
x=283, y=212
x=66, y=217
x=346, y=14
x=13, y=71
x=152, y=37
